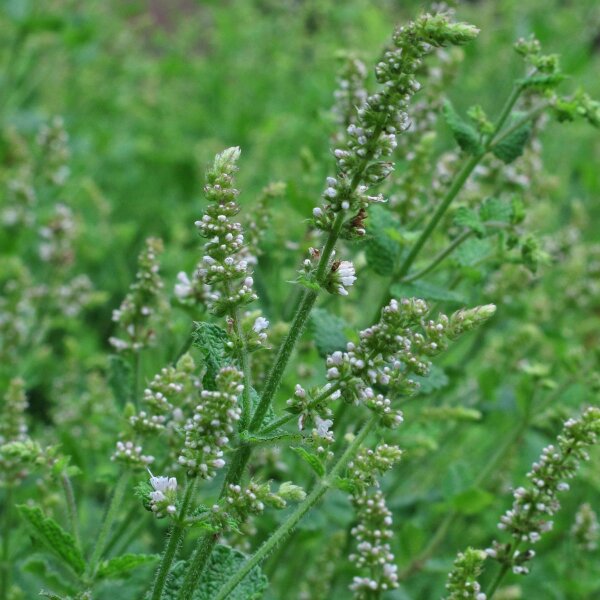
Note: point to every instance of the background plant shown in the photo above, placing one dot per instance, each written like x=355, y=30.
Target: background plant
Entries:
x=110, y=114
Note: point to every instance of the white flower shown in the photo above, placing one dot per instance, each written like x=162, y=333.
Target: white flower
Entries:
x=183, y=287
x=323, y=426
x=163, y=484
x=342, y=277
x=260, y=324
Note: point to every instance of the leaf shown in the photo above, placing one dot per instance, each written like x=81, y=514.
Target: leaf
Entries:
x=39, y=567
x=120, y=379
x=121, y=565
x=471, y=501
x=466, y=217
x=542, y=81
x=494, y=209
x=53, y=537
x=466, y=135
x=269, y=438
x=224, y=562
x=52, y=595
x=435, y=380
x=427, y=291
x=328, y=331
x=472, y=251
x=512, y=146
x=312, y=459
x=210, y=340
x=381, y=249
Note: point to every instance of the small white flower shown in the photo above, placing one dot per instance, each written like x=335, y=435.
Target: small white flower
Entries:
x=323, y=426
x=260, y=324
x=183, y=287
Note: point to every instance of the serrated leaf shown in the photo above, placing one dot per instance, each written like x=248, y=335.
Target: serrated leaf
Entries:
x=224, y=561
x=210, y=339
x=328, y=331
x=269, y=438
x=466, y=135
x=472, y=251
x=53, y=537
x=494, y=209
x=513, y=145
x=542, y=81
x=312, y=460
x=120, y=378
x=466, y=217
x=427, y=291
x=120, y=566
x=471, y=501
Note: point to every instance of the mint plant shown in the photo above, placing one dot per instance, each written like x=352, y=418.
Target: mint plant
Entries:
x=421, y=357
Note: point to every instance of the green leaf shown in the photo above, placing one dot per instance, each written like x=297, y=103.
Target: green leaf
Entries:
x=466, y=217
x=381, y=249
x=269, y=438
x=224, y=562
x=494, y=209
x=466, y=135
x=542, y=81
x=472, y=251
x=39, y=567
x=52, y=595
x=471, y=501
x=435, y=380
x=328, y=331
x=512, y=146
x=53, y=537
x=120, y=566
x=313, y=460
x=120, y=378
x=210, y=339
x=427, y=291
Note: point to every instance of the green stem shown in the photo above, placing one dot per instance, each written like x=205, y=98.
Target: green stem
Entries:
x=111, y=514
x=498, y=579
x=288, y=525
x=175, y=537
x=439, y=258
x=196, y=566
x=184, y=347
x=137, y=377
x=5, y=566
x=528, y=116
x=71, y=506
x=308, y=300
x=245, y=365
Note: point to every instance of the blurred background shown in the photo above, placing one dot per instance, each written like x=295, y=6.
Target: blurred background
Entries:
x=149, y=90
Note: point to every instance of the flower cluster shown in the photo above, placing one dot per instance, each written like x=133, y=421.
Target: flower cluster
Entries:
x=341, y=277
x=351, y=93
x=372, y=533
x=224, y=267
x=164, y=497
x=53, y=143
x=370, y=464
x=462, y=580
x=169, y=396
x=534, y=505
x=379, y=367
x=57, y=236
x=138, y=307
x=208, y=430
x=13, y=427
x=130, y=454
x=372, y=135
x=586, y=529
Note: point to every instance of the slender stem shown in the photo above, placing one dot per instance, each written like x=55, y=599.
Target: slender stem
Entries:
x=456, y=242
x=288, y=525
x=300, y=318
x=528, y=116
x=71, y=506
x=456, y=186
x=175, y=536
x=126, y=522
x=498, y=579
x=5, y=566
x=184, y=347
x=109, y=518
x=137, y=377
x=196, y=566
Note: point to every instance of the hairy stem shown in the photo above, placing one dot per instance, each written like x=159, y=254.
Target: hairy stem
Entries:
x=71, y=506
x=5, y=565
x=111, y=514
x=175, y=536
x=288, y=525
x=245, y=365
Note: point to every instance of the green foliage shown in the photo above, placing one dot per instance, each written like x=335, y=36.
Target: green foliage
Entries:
x=53, y=537
x=315, y=463
x=121, y=566
x=381, y=248
x=210, y=340
x=509, y=148
x=466, y=135
x=328, y=331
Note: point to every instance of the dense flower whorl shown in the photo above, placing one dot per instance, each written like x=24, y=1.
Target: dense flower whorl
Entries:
x=341, y=277
x=138, y=307
x=164, y=497
x=371, y=136
x=529, y=516
x=380, y=366
x=372, y=533
x=462, y=580
x=208, y=430
x=224, y=266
